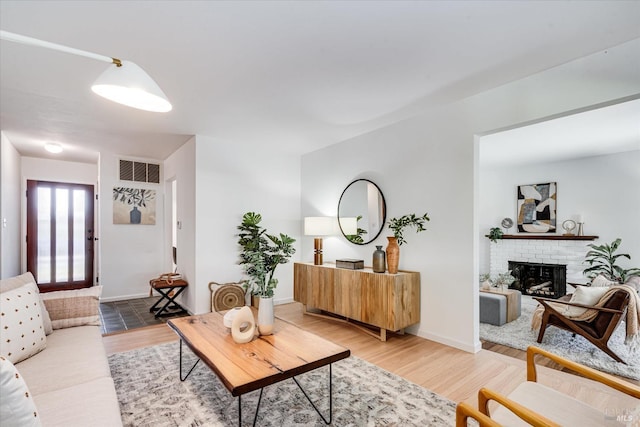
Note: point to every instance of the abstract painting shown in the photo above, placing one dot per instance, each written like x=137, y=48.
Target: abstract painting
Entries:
x=134, y=206
x=537, y=208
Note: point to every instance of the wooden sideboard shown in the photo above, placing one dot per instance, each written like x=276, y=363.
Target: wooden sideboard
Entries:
x=390, y=302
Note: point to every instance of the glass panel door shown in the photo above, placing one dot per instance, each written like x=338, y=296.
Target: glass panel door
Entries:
x=60, y=234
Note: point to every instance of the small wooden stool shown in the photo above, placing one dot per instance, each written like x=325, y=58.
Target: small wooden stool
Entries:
x=166, y=287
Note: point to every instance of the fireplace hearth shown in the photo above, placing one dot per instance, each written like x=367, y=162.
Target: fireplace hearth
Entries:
x=545, y=280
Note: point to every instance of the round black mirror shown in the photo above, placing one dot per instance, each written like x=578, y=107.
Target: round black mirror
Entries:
x=361, y=212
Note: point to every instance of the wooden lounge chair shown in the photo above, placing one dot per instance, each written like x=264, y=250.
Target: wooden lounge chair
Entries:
x=598, y=331
x=535, y=404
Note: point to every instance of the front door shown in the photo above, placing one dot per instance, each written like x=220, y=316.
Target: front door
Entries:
x=60, y=234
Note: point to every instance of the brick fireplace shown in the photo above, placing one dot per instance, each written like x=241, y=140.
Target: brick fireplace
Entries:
x=536, y=279
x=548, y=250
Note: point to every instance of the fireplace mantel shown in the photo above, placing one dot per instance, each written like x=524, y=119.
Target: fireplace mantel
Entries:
x=547, y=237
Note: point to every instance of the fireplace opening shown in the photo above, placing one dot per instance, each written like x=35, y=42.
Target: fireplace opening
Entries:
x=546, y=280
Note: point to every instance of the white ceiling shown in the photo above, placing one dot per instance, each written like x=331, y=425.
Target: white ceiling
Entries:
x=297, y=75
x=606, y=130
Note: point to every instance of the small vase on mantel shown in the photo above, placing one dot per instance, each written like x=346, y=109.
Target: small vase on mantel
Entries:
x=379, y=260
x=393, y=255
x=266, y=318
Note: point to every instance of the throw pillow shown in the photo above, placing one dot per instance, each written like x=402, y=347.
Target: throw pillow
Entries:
x=76, y=307
x=17, y=408
x=585, y=295
x=602, y=281
x=21, y=323
x=19, y=281
x=634, y=282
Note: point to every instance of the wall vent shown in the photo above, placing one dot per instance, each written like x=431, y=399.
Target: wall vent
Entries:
x=139, y=172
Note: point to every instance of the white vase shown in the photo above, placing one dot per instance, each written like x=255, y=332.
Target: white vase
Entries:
x=265, y=316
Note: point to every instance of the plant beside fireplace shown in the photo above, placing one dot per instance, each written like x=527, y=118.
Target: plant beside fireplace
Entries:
x=602, y=260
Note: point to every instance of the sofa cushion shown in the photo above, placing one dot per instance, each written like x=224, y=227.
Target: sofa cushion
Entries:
x=19, y=281
x=587, y=296
x=634, y=282
x=73, y=356
x=93, y=403
x=17, y=408
x=550, y=403
x=601, y=281
x=21, y=322
x=76, y=307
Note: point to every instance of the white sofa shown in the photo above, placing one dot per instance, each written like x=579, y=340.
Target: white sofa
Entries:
x=69, y=380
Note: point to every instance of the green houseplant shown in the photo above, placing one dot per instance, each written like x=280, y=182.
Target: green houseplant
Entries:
x=397, y=226
x=261, y=254
x=602, y=260
x=494, y=234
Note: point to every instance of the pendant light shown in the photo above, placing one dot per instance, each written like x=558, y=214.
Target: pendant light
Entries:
x=126, y=83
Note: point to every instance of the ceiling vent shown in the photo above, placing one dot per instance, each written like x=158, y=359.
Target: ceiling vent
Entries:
x=139, y=171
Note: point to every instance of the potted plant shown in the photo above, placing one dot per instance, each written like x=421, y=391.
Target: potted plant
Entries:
x=602, y=260
x=397, y=226
x=504, y=280
x=260, y=255
x=494, y=234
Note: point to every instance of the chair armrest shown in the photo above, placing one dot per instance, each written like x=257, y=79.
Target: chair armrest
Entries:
x=464, y=411
x=544, y=302
x=592, y=374
x=530, y=417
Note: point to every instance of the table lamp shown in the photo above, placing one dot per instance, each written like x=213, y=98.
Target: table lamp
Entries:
x=318, y=226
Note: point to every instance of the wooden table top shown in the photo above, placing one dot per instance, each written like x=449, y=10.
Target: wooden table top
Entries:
x=266, y=360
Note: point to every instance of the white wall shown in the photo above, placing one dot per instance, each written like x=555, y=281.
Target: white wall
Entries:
x=230, y=182
x=603, y=189
x=180, y=167
x=10, y=170
x=429, y=163
x=130, y=255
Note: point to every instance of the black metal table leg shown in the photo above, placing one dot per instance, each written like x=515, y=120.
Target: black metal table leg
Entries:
x=188, y=373
x=330, y=398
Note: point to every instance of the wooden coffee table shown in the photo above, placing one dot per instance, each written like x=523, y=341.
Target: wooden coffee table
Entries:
x=266, y=360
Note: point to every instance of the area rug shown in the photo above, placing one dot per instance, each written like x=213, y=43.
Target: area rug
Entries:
x=518, y=334
x=151, y=394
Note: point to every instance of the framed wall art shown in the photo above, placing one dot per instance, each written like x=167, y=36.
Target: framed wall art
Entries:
x=537, y=208
x=134, y=206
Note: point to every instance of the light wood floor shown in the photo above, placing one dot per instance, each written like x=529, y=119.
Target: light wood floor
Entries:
x=452, y=373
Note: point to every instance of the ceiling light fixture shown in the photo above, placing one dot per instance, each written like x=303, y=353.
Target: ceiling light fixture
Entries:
x=126, y=83
x=52, y=147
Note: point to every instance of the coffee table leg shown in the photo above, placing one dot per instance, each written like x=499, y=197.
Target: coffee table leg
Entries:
x=330, y=398
x=255, y=417
x=188, y=373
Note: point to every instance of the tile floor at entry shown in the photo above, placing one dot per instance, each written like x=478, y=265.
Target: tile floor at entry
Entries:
x=119, y=316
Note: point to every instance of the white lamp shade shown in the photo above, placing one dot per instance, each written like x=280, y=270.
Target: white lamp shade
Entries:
x=132, y=86
x=349, y=226
x=318, y=226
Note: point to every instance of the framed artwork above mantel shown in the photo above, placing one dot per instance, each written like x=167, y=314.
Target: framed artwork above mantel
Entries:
x=536, y=208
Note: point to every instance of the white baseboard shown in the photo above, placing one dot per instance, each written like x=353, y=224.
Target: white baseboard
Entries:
x=282, y=301
x=124, y=297
x=451, y=343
